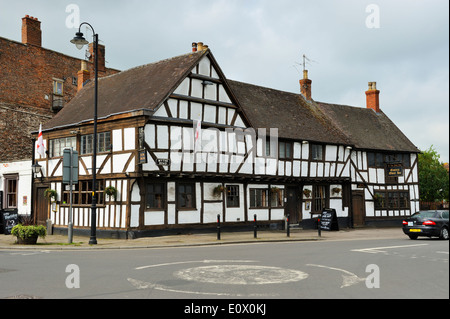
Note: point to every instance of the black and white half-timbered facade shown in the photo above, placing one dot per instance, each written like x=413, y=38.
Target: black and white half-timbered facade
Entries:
x=182, y=144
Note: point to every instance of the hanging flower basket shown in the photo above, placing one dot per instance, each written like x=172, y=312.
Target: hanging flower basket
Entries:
x=336, y=190
x=111, y=191
x=307, y=193
x=50, y=194
x=218, y=190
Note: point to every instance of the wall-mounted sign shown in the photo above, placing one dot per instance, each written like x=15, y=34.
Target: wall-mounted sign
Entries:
x=142, y=157
x=163, y=162
x=394, y=169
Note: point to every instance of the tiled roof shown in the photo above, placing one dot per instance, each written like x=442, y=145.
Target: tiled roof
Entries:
x=143, y=87
x=148, y=86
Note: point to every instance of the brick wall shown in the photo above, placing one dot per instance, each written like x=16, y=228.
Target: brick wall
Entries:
x=27, y=73
x=16, y=125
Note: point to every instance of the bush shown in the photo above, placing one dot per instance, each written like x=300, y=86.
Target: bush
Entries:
x=30, y=231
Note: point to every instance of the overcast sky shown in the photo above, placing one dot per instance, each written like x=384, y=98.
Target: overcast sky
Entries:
x=403, y=45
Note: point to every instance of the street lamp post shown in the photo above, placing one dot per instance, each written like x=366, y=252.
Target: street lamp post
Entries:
x=80, y=42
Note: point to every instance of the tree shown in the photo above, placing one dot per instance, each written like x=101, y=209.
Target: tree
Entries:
x=433, y=177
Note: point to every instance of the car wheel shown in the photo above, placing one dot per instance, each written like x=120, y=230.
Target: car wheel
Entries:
x=413, y=237
x=444, y=234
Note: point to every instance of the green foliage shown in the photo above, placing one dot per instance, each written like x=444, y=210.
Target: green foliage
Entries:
x=111, y=191
x=50, y=194
x=433, y=177
x=29, y=231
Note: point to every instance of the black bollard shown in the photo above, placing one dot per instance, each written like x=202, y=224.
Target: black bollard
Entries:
x=255, y=227
x=318, y=227
x=218, y=227
x=288, y=228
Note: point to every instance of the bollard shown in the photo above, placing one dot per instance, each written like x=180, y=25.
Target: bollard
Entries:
x=318, y=227
x=218, y=227
x=255, y=227
x=288, y=228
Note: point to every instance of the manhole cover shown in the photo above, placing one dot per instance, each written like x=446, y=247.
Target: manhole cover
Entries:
x=241, y=275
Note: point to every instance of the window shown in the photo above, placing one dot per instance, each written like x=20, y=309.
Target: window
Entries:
x=265, y=198
x=11, y=182
x=276, y=197
x=391, y=200
x=186, y=196
x=285, y=150
x=58, y=87
x=103, y=143
x=57, y=146
x=155, y=196
x=378, y=160
x=267, y=148
x=259, y=198
x=232, y=196
x=317, y=152
x=82, y=195
x=320, y=198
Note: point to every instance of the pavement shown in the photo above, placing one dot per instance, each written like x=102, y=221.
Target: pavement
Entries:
x=60, y=242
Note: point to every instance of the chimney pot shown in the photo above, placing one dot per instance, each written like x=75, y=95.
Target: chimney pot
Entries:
x=101, y=56
x=305, y=86
x=31, y=31
x=83, y=75
x=194, y=46
x=373, y=97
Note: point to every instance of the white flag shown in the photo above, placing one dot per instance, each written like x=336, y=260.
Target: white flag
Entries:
x=198, y=137
x=40, y=148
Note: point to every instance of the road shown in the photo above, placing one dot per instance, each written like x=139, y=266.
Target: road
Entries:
x=364, y=269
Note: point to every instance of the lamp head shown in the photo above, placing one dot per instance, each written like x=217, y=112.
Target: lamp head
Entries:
x=79, y=40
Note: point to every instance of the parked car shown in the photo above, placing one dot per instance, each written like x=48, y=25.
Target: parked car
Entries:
x=430, y=223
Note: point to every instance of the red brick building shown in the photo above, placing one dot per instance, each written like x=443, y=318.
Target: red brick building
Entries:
x=35, y=83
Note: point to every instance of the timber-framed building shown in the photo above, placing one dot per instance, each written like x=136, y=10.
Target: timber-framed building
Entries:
x=181, y=144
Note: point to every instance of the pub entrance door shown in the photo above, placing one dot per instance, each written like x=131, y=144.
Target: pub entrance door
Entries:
x=41, y=206
x=359, y=212
x=291, y=206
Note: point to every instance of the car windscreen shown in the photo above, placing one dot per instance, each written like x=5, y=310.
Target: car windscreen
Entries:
x=425, y=214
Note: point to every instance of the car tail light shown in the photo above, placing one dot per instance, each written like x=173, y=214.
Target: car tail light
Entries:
x=405, y=222
x=428, y=223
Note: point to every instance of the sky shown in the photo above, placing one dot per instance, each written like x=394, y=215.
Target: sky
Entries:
x=403, y=45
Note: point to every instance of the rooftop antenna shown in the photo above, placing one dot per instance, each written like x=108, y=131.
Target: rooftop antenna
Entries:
x=306, y=60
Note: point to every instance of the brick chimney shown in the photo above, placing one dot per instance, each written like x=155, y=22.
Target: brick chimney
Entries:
x=373, y=97
x=83, y=76
x=305, y=86
x=101, y=56
x=31, y=31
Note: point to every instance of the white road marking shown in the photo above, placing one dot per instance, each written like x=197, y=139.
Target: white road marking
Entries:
x=138, y=284
x=376, y=250
x=241, y=275
x=348, y=279
x=31, y=253
x=196, y=262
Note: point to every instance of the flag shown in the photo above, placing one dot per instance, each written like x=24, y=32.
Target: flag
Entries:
x=40, y=148
x=198, y=137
